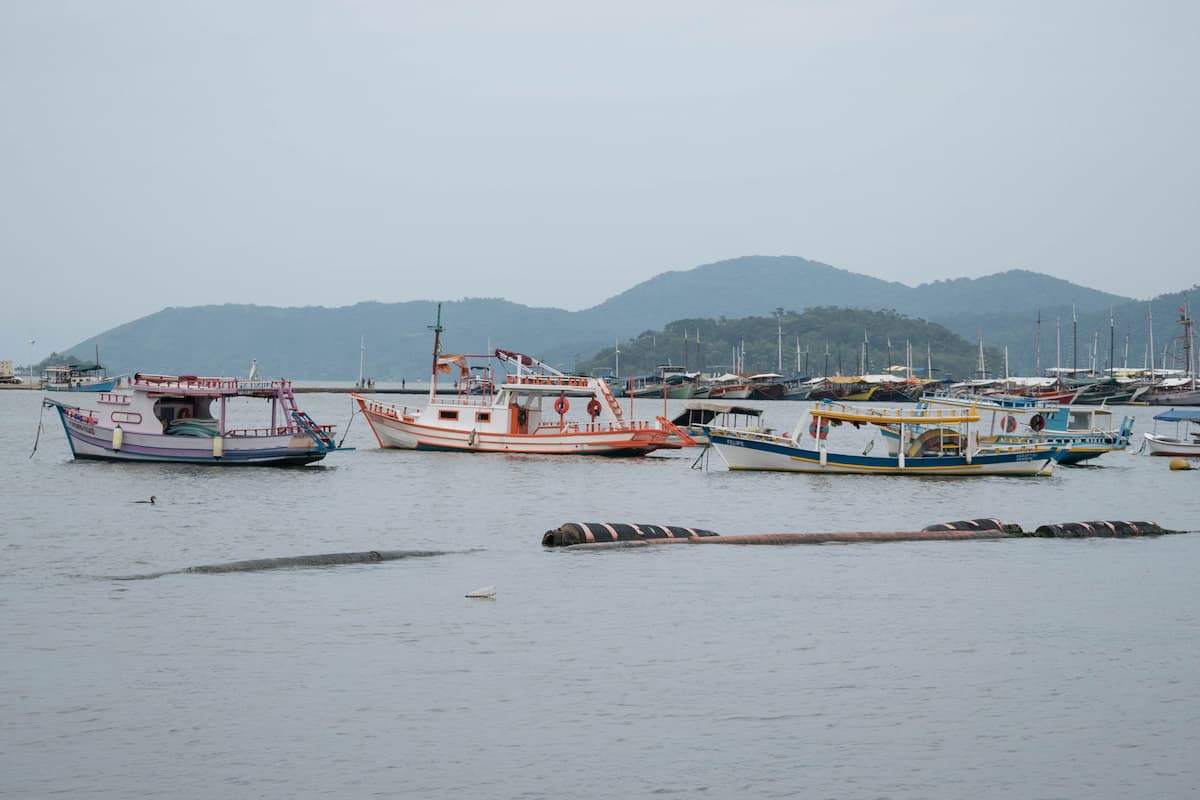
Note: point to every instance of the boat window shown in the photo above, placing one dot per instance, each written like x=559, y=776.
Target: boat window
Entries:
x=445, y=414
x=128, y=417
x=1079, y=421
x=483, y=416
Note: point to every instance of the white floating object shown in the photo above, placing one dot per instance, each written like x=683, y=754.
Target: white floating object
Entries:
x=483, y=591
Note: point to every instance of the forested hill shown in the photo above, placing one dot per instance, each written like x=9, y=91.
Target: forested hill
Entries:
x=323, y=343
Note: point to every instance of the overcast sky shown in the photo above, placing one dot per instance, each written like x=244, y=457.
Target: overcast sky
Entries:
x=282, y=152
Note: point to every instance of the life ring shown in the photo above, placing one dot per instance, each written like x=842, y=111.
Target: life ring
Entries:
x=1008, y=423
x=522, y=417
x=819, y=431
x=561, y=404
x=1037, y=422
x=593, y=408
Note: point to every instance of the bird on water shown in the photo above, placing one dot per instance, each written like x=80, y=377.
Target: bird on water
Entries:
x=150, y=501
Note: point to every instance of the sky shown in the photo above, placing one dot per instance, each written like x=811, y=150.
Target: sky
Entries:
x=292, y=153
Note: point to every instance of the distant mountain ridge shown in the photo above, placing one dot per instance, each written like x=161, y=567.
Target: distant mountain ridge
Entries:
x=323, y=343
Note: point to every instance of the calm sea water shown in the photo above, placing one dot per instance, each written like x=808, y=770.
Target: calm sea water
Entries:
x=1009, y=669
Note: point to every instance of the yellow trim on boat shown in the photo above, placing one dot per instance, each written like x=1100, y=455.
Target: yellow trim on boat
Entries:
x=894, y=416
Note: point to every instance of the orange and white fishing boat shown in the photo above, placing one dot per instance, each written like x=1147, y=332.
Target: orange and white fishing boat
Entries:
x=525, y=406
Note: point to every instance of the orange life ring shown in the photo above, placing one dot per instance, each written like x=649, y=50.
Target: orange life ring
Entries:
x=1008, y=423
x=561, y=404
x=1037, y=422
x=593, y=408
x=819, y=431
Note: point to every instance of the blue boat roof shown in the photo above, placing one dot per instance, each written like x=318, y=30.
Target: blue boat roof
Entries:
x=1180, y=415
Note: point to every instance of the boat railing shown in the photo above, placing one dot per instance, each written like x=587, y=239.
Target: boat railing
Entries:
x=597, y=427
x=287, y=430
x=113, y=399
x=553, y=381
x=193, y=382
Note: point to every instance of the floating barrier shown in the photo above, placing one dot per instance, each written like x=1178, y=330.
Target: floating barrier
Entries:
x=617, y=534
x=573, y=533
x=1103, y=528
x=321, y=560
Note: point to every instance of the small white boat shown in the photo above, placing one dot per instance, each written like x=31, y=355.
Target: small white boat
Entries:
x=1157, y=444
x=931, y=442
x=185, y=419
x=75, y=378
x=525, y=406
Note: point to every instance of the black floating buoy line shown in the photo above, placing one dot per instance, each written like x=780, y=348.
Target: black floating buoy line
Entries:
x=623, y=534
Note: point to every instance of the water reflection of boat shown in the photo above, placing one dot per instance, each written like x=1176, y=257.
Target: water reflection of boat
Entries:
x=185, y=419
x=931, y=442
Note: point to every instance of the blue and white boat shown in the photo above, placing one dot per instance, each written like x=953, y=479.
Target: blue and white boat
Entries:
x=1079, y=432
x=79, y=378
x=929, y=442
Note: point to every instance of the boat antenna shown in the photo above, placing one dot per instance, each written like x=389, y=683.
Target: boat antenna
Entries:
x=437, y=351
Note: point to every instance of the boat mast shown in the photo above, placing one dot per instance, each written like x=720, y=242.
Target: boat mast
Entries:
x=437, y=350
x=1185, y=320
x=362, y=352
x=616, y=358
x=1037, y=365
x=1058, y=348
x=982, y=367
x=1074, y=341
x=779, y=323
x=1150, y=351
x=1111, y=334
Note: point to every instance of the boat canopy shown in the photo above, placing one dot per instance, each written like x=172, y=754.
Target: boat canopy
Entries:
x=1180, y=415
x=702, y=412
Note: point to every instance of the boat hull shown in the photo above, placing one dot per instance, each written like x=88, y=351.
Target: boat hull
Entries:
x=392, y=431
x=1166, y=446
x=89, y=440
x=777, y=454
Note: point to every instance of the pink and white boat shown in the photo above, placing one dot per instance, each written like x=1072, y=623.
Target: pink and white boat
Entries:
x=528, y=407
x=188, y=419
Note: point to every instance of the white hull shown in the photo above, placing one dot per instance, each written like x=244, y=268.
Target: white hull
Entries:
x=1166, y=446
x=96, y=442
x=796, y=459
